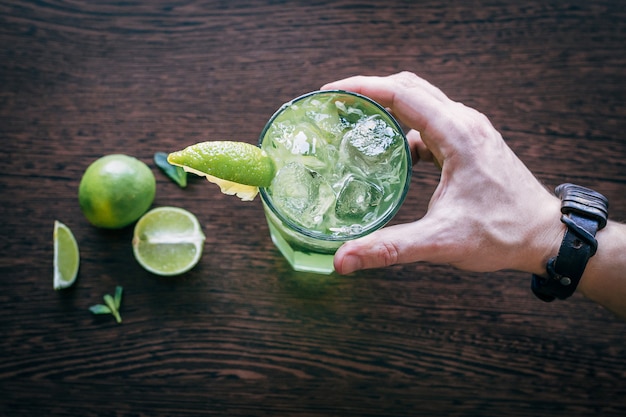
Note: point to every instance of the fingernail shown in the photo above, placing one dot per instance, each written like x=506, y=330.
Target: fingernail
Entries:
x=350, y=264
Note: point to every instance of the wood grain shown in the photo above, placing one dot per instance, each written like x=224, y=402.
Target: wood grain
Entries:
x=242, y=334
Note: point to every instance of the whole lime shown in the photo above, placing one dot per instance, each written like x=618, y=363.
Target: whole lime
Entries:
x=116, y=190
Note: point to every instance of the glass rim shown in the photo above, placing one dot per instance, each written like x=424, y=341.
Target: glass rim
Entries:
x=383, y=220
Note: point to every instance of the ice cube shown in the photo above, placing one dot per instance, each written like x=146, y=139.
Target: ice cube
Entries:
x=351, y=230
x=301, y=194
x=371, y=139
x=350, y=114
x=309, y=147
x=357, y=199
x=298, y=141
x=281, y=134
x=305, y=140
x=324, y=116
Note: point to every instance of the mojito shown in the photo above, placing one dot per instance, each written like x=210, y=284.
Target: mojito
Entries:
x=343, y=170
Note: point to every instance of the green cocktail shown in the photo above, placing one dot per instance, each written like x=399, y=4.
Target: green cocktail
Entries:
x=343, y=170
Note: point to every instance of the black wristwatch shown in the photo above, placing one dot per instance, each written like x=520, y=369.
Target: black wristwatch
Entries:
x=584, y=212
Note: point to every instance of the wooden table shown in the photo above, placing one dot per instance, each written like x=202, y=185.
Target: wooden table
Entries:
x=241, y=334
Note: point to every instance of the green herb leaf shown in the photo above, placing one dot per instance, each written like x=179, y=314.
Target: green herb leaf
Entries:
x=175, y=173
x=111, y=306
x=109, y=301
x=118, y=297
x=100, y=309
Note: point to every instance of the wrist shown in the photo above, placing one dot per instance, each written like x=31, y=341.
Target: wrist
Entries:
x=545, y=238
x=552, y=238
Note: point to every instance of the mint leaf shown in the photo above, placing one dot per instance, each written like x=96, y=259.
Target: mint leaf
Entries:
x=175, y=173
x=118, y=297
x=111, y=305
x=100, y=309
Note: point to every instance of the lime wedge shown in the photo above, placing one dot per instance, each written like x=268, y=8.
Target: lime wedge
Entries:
x=168, y=241
x=66, y=256
x=238, y=168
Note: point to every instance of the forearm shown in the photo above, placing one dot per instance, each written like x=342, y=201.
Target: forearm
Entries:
x=604, y=280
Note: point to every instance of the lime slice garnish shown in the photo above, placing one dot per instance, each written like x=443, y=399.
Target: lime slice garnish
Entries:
x=168, y=241
x=66, y=256
x=237, y=167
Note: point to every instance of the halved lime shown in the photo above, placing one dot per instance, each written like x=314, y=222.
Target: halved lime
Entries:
x=237, y=167
x=168, y=241
x=66, y=256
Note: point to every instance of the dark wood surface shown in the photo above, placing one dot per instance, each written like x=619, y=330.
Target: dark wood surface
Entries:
x=241, y=334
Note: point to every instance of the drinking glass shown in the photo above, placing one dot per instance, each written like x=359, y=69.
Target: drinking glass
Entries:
x=343, y=170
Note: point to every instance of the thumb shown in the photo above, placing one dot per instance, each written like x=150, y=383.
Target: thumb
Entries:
x=402, y=243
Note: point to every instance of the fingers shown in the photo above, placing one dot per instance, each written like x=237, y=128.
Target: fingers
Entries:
x=391, y=245
x=384, y=89
x=388, y=92
x=414, y=101
x=419, y=151
x=367, y=252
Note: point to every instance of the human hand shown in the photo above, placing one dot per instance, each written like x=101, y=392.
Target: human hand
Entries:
x=488, y=211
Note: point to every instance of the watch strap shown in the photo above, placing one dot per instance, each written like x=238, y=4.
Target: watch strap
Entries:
x=584, y=212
